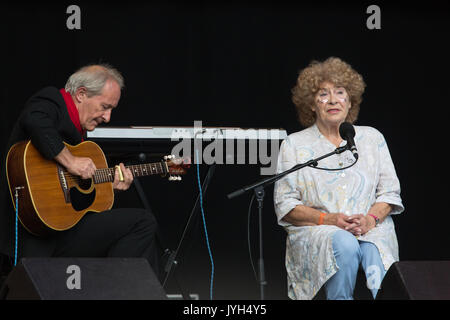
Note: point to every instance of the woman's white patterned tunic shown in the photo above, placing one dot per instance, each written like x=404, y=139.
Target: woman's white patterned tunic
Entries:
x=310, y=260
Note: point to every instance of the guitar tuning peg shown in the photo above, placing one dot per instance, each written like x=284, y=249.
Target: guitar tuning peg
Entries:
x=165, y=158
x=179, y=178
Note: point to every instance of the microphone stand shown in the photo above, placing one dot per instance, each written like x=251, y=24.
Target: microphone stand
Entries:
x=258, y=189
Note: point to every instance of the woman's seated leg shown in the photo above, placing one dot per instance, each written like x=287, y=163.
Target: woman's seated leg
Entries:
x=348, y=256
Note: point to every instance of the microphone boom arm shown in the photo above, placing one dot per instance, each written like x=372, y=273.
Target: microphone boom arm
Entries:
x=274, y=178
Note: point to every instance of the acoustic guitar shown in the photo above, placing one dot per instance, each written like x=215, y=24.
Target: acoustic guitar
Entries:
x=51, y=199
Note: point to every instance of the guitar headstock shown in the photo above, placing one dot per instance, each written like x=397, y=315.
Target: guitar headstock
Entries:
x=176, y=166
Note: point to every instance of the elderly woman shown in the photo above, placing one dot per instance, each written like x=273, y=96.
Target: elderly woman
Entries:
x=336, y=220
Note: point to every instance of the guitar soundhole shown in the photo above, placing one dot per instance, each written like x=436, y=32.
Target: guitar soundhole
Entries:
x=85, y=184
x=81, y=201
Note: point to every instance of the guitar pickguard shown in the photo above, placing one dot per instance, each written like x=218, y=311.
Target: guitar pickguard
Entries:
x=81, y=200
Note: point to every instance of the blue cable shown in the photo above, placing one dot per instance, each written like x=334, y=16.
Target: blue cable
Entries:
x=17, y=231
x=204, y=226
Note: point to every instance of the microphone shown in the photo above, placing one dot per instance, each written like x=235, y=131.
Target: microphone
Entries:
x=347, y=133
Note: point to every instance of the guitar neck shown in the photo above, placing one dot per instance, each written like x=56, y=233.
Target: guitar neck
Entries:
x=139, y=170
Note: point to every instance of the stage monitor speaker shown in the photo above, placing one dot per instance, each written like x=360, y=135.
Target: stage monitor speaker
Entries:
x=83, y=279
x=416, y=280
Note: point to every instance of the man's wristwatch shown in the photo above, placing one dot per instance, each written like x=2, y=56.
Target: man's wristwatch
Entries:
x=377, y=220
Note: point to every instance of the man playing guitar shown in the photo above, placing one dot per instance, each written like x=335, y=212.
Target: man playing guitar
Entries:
x=52, y=118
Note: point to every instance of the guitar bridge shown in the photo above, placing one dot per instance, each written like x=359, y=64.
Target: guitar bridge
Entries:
x=63, y=183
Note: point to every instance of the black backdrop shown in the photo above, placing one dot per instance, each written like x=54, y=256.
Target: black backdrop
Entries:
x=233, y=64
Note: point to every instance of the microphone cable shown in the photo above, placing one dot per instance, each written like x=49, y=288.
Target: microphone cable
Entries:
x=16, y=242
x=334, y=169
x=205, y=229
x=248, y=236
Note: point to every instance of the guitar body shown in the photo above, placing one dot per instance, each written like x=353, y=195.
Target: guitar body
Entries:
x=49, y=199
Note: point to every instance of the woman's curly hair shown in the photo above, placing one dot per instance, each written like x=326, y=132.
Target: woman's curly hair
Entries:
x=332, y=70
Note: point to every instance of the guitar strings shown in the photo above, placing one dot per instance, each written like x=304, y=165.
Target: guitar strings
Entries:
x=107, y=173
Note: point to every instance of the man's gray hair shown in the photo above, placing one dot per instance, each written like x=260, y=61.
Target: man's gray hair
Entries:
x=93, y=78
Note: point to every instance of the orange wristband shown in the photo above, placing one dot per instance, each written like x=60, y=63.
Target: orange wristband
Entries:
x=322, y=215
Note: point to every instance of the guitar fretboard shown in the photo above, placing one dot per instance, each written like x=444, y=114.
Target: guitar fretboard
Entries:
x=139, y=170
